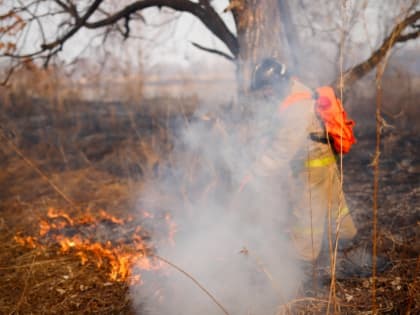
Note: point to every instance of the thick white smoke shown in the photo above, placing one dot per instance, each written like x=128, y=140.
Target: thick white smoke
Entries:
x=234, y=243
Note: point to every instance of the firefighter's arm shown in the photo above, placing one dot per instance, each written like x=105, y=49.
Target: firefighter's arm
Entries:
x=270, y=162
x=290, y=137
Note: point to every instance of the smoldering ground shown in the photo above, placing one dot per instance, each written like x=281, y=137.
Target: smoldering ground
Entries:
x=232, y=241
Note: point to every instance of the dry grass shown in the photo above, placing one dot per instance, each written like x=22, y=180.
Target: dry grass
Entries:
x=98, y=155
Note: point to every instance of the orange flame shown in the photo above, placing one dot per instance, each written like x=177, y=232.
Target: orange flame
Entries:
x=27, y=241
x=44, y=227
x=111, y=218
x=54, y=214
x=120, y=258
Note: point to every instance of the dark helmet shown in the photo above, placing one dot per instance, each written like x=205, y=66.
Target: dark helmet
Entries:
x=268, y=73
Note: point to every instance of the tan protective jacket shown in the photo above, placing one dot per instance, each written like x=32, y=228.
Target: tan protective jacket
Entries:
x=316, y=197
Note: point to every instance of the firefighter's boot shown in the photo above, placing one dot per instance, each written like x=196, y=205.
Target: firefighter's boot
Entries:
x=357, y=262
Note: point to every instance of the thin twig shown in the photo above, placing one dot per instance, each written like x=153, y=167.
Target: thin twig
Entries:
x=375, y=164
x=193, y=280
x=266, y=272
x=36, y=168
x=334, y=247
x=213, y=51
x=379, y=124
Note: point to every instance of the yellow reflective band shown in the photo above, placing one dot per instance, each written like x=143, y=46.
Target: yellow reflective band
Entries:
x=343, y=211
x=320, y=162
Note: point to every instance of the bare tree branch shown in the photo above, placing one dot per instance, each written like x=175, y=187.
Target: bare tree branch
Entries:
x=407, y=37
x=213, y=51
x=291, y=33
x=54, y=47
x=80, y=22
x=119, y=21
x=358, y=71
x=126, y=33
x=204, y=12
x=8, y=74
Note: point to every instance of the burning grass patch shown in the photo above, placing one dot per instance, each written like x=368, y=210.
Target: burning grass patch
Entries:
x=105, y=240
x=72, y=264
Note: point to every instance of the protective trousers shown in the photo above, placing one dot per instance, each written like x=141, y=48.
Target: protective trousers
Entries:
x=319, y=211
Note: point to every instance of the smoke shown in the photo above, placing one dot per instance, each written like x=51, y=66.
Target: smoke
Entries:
x=234, y=243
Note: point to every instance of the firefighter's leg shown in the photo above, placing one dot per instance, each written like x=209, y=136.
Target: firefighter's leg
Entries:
x=320, y=214
x=322, y=206
x=354, y=260
x=309, y=212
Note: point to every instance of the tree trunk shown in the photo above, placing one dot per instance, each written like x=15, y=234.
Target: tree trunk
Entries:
x=260, y=34
x=291, y=35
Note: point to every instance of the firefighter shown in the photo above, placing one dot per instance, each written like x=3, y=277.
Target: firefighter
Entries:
x=298, y=147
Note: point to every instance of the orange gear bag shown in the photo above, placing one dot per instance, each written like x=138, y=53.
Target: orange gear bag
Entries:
x=332, y=113
x=330, y=109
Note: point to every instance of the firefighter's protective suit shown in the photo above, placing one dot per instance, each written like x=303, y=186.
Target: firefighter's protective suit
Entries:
x=296, y=149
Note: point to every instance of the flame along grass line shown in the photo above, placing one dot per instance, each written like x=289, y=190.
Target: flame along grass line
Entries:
x=193, y=280
x=119, y=257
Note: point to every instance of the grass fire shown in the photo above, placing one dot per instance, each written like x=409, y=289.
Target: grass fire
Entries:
x=209, y=157
x=87, y=237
